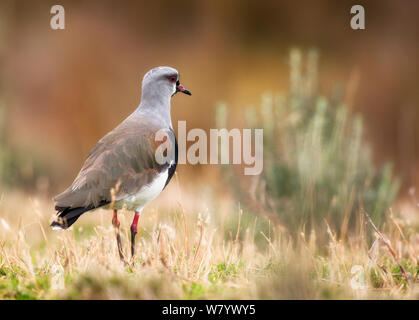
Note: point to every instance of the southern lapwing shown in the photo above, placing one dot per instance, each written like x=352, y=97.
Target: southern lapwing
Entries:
x=123, y=169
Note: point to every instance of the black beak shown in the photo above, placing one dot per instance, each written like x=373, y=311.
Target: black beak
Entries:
x=180, y=88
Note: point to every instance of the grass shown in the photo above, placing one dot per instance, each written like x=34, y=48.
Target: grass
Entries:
x=183, y=254
x=305, y=237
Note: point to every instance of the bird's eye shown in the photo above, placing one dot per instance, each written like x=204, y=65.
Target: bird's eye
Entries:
x=172, y=79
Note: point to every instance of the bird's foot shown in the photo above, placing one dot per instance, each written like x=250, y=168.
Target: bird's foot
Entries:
x=134, y=228
x=133, y=234
x=118, y=241
x=115, y=223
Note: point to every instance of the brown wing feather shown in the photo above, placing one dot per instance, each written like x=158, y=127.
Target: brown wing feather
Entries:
x=123, y=159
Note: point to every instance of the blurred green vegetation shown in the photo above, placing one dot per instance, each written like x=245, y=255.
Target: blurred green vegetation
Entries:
x=18, y=168
x=6, y=158
x=317, y=164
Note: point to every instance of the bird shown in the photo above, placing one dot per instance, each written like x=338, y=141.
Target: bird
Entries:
x=132, y=164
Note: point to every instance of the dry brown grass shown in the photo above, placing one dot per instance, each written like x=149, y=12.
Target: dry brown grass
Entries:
x=189, y=252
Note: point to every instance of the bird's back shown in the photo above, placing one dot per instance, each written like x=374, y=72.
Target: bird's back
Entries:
x=122, y=161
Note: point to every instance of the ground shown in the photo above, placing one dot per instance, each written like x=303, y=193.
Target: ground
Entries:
x=190, y=250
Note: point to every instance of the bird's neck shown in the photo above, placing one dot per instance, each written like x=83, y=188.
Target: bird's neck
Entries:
x=157, y=107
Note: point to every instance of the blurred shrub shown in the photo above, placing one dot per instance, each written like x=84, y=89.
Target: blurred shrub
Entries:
x=18, y=169
x=6, y=161
x=317, y=166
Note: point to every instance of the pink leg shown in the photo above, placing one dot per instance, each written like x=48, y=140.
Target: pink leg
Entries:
x=134, y=228
x=115, y=223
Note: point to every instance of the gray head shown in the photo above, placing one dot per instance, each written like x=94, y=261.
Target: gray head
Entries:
x=159, y=85
x=162, y=82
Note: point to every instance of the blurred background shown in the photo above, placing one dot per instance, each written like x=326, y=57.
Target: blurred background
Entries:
x=60, y=91
x=339, y=109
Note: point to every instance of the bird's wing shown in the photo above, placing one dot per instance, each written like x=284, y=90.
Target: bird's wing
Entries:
x=120, y=164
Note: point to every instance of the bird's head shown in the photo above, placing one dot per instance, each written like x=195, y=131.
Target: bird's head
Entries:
x=162, y=81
